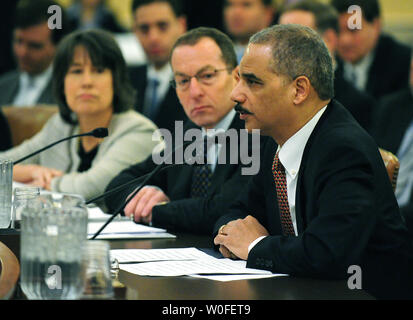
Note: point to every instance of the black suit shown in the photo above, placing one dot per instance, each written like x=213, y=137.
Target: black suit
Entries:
x=360, y=104
x=9, y=87
x=195, y=215
x=389, y=71
x=346, y=212
x=392, y=119
x=5, y=134
x=170, y=109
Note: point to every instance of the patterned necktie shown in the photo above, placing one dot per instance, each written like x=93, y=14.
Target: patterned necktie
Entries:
x=202, y=175
x=280, y=180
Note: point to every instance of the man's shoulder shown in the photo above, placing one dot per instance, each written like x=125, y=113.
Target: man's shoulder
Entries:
x=8, y=77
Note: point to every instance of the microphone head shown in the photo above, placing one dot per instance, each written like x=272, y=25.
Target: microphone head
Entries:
x=99, y=132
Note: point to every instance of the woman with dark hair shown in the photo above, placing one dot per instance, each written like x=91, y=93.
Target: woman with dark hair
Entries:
x=92, y=88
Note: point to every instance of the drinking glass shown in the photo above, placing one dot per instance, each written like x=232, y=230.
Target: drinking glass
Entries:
x=24, y=197
x=96, y=270
x=6, y=185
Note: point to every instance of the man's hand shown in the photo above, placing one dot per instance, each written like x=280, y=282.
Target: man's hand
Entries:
x=140, y=207
x=237, y=235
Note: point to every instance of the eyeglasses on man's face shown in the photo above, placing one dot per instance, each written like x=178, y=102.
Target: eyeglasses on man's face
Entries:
x=206, y=77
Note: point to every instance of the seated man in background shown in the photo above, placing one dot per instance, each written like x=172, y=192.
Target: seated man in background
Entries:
x=34, y=47
x=322, y=201
x=323, y=18
x=157, y=25
x=185, y=197
x=243, y=18
x=393, y=131
x=371, y=60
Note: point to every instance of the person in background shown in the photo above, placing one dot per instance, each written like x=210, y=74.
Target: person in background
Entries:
x=93, y=14
x=322, y=201
x=34, y=47
x=323, y=18
x=243, y=18
x=157, y=25
x=393, y=131
x=92, y=89
x=370, y=59
x=186, y=197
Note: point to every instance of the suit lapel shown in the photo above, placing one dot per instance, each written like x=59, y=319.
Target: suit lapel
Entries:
x=222, y=171
x=9, y=94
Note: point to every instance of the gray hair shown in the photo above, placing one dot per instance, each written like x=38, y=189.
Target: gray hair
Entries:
x=299, y=51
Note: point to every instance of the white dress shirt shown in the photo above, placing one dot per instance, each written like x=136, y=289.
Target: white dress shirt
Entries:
x=358, y=73
x=164, y=76
x=290, y=155
x=31, y=87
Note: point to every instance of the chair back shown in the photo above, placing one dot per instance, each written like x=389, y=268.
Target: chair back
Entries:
x=9, y=271
x=392, y=165
x=25, y=122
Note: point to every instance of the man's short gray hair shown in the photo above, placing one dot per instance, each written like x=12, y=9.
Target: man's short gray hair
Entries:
x=299, y=51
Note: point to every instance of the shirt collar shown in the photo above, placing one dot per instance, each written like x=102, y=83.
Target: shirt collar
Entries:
x=291, y=153
x=221, y=126
x=37, y=79
x=164, y=73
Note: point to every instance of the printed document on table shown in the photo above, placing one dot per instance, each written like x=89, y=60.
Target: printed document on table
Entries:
x=234, y=277
x=147, y=255
x=126, y=229
x=183, y=268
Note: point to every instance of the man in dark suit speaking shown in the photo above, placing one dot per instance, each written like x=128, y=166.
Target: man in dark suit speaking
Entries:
x=322, y=202
x=189, y=197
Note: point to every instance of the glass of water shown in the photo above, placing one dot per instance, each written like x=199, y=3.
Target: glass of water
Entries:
x=6, y=187
x=24, y=197
x=52, y=240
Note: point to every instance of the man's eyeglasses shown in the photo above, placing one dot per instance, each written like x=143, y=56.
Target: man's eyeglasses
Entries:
x=206, y=77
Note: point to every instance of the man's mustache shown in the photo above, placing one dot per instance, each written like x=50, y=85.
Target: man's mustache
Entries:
x=238, y=108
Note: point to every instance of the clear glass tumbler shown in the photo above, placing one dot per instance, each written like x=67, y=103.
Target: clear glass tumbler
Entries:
x=96, y=270
x=6, y=187
x=24, y=197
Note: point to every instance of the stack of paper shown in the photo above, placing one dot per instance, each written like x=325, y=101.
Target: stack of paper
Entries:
x=126, y=230
x=187, y=261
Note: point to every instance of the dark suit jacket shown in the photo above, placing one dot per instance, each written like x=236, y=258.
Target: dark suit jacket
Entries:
x=170, y=109
x=392, y=119
x=194, y=215
x=5, y=134
x=389, y=71
x=346, y=212
x=9, y=86
x=360, y=104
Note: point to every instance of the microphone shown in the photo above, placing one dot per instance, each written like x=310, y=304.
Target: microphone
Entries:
x=148, y=176
x=97, y=133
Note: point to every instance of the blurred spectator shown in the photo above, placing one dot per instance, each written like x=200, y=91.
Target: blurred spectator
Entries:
x=7, y=9
x=393, y=131
x=89, y=14
x=243, y=18
x=157, y=25
x=34, y=46
x=374, y=62
x=324, y=19
x=92, y=90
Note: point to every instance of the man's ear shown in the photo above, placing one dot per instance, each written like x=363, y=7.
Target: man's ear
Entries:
x=302, y=87
x=182, y=23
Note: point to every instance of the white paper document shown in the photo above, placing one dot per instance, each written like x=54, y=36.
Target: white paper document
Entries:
x=182, y=268
x=126, y=229
x=147, y=255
